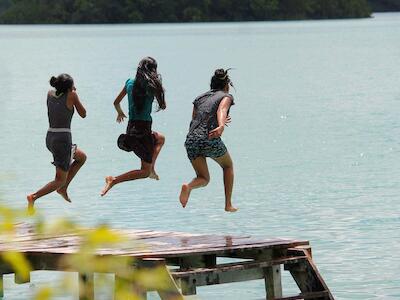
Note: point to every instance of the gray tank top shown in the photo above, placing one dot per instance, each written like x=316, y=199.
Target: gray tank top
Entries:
x=59, y=114
x=206, y=107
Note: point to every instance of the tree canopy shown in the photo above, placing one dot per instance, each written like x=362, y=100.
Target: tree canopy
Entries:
x=146, y=11
x=384, y=5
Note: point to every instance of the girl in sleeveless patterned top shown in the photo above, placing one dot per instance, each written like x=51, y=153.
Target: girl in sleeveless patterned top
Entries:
x=210, y=115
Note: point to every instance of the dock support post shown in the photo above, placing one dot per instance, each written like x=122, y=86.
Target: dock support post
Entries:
x=20, y=280
x=188, y=287
x=166, y=288
x=86, y=286
x=172, y=292
x=273, y=283
x=1, y=286
x=140, y=293
x=124, y=284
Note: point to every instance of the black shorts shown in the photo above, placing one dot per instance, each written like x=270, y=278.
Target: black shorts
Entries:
x=140, y=139
x=60, y=145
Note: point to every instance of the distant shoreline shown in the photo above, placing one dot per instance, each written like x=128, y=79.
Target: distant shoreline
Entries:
x=27, y=12
x=199, y=22
x=85, y=12
x=194, y=23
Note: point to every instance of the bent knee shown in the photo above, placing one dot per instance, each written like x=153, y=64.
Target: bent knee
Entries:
x=81, y=158
x=226, y=164
x=160, y=139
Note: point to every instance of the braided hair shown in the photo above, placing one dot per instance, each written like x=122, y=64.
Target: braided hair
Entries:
x=147, y=81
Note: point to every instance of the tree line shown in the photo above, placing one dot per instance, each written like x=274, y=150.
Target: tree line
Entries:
x=384, y=5
x=146, y=11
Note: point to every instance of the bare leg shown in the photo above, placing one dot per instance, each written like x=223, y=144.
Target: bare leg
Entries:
x=226, y=163
x=79, y=160
x=203, y=177
x=144, y=172
x=160, y=140
x=59, y=181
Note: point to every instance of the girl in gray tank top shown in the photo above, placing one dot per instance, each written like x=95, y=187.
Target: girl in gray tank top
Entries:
x=68, y=159
x=210, y=115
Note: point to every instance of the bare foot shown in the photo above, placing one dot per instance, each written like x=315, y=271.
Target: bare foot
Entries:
x=64, y=194
x=184, y=196
x=108, y=186
x=31, y=202
x=230, y=209
x=154, y=175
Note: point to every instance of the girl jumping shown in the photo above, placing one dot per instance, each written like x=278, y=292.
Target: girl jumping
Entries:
x=68, y=159
x=139, y=137
x=210, y=115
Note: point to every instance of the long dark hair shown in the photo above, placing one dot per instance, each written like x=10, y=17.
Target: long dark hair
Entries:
x=148, y=80
x=220, y=79
x=62, y=83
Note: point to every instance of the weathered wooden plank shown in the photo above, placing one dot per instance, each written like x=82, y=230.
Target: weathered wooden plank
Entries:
x=162, y=238
x=211, y=278
x=216, y=250
x=164, y=244
x=229, y=273
x=164, y=251
x=239, y=266
x=197, y=261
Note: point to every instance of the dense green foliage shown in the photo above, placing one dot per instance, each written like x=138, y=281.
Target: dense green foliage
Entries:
x=134, y=11
x=385, y=5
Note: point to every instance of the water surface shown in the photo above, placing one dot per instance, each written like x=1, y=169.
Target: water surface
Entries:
x=314, y=137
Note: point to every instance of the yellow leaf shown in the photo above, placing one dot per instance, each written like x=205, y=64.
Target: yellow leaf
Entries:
x=18, y=262
x=103, y=235
x=44, y=294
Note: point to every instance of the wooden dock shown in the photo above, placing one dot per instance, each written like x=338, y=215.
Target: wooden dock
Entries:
x=190, y=260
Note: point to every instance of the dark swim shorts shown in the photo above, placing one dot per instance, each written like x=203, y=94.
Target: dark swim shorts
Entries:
x=138, y=138
x=204, y=147
x=60, y=145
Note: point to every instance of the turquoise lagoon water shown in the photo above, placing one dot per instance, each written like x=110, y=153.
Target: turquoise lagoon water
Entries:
x=314, y=138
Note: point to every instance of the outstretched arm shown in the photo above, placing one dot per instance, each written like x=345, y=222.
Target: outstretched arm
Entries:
x=121, y=116
x=222, y=114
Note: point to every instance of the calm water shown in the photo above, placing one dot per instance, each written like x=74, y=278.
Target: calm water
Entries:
x=314, y=137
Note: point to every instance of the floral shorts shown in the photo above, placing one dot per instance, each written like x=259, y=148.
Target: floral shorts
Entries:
x=204, y=147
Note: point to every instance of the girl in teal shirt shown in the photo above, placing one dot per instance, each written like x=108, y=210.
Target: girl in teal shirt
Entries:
x=139, y=137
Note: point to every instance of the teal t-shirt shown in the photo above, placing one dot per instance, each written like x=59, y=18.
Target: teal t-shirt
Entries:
x=145, y=114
